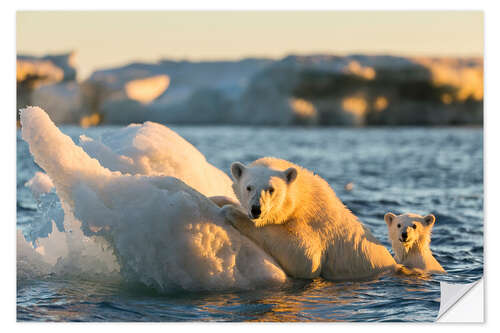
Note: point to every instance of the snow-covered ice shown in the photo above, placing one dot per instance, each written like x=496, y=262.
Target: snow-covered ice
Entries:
x=39, y=184
x=155, y=150
x=158, y=229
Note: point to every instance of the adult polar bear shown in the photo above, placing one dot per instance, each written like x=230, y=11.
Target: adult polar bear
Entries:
x=296, y=217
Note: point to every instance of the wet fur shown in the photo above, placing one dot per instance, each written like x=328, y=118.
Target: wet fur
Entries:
x=309, y=231
x=415, y=254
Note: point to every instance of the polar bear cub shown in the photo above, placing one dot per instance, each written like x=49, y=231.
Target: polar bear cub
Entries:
x=295, y=216
x=410, y=235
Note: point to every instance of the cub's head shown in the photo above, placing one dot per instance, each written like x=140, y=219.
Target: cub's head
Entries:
x=409, y=229
x=263, y=192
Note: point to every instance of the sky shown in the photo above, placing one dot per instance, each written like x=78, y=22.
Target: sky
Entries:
x=113, y=38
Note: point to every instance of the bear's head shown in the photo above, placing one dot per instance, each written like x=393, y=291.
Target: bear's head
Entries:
x=409, y=229
x=264, y=192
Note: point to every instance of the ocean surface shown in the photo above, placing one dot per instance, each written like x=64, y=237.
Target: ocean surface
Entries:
x=399, y=169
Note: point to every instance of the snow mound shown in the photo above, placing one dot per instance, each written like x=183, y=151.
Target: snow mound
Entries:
x=40, y=184
x=163, y=233
x=155, y=150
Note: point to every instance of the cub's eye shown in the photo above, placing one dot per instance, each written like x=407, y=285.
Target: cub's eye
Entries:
x=414, y=226
x=249, y=188
x=271, y=190
x=399, y=225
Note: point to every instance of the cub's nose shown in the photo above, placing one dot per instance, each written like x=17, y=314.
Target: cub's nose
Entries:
x=255, y=211
x=404, y=235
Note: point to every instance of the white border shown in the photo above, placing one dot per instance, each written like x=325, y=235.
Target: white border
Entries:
x=491, y=165
x=253, y=5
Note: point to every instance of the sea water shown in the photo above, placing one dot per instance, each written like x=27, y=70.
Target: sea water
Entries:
x=420, y=170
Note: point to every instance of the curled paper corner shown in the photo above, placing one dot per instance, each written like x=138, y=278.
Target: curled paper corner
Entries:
x=461, y=303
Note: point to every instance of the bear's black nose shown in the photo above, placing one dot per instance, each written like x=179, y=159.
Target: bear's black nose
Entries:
x=404, y=235
x=255, y=211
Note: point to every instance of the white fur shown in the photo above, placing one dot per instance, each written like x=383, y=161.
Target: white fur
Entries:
x=413, y=251
x=303, y=224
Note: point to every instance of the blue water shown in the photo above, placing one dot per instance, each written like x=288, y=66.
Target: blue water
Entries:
x=420, y=170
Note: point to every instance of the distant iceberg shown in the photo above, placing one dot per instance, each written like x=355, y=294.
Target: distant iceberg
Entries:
x=50, y=81
x=312, y=90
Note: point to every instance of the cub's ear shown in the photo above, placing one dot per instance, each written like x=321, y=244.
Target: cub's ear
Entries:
x=429, y=220
x=389, y=218
x=290, y=175
x=237, y=169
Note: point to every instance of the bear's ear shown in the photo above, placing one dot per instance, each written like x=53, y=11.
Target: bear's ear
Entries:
x=389, y=218
x=237, y=169
x=429, y=219
x=290, y=175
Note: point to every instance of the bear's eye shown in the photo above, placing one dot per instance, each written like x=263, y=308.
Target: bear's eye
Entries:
x=271, y=190
x=414, y=226
x=399, y=225
x=249, y=188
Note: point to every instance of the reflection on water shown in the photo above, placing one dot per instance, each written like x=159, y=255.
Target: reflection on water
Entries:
x=386, y=299
x=437, y=171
